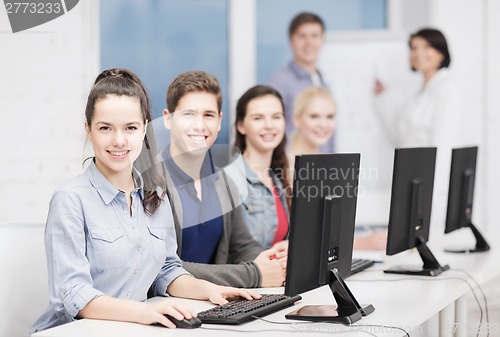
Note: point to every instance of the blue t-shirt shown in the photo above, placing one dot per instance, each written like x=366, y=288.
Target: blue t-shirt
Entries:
x=202, y=221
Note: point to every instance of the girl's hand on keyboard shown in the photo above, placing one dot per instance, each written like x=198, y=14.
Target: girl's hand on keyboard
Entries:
x=221, y=295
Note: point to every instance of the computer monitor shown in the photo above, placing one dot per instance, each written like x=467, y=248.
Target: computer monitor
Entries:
x=410, y=212
x=322, y=220
x=461, y=197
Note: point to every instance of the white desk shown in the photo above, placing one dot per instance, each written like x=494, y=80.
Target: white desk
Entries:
x=408, y=301
x=95, y=328
x=401, y=301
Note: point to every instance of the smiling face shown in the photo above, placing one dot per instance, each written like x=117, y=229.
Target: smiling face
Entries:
x=117, y=133
x=423, y=57
x=316, y=123
x=264, y=124
x=306, y=43
x=194, y=125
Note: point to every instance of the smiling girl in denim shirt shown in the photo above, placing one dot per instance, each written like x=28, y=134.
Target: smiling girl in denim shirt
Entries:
x=110, y=233
x=260, y=135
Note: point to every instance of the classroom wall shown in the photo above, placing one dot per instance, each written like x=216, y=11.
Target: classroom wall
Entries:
x=45, y=75
x=491, y=122
x=408, y=15
x=243, y=54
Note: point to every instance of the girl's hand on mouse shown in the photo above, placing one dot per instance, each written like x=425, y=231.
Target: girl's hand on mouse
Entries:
x=156, y=311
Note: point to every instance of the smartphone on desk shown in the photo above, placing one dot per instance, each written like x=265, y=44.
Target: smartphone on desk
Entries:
x=325, y=313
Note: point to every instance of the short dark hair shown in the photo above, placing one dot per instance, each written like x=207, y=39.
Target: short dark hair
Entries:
x=437, y=41
x=193, y=81
x=303, y=18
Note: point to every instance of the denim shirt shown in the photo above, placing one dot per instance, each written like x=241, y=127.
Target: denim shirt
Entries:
x=95, y=245
x=260, y=209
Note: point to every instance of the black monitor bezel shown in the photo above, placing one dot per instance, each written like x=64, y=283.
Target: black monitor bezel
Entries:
x=461, y=198
x=410, y=164
x=411, y=205
x=463, y=160
x=304, y=251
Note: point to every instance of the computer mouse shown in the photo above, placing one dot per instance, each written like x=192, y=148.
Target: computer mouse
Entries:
x=192, y=323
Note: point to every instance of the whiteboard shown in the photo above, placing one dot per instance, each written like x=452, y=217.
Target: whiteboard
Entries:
x=350, y=65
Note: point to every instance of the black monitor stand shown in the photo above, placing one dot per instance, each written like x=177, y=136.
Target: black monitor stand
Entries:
x=331, y=251
x=418, y=226
x=346, y=301
x=347, y=310
x=481, y=243
x=431, y=265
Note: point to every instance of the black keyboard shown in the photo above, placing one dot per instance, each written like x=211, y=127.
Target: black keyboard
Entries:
x=358, y=265
x=240, y=311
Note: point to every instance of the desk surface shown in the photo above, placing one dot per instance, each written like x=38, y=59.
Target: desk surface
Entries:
x=399, y=300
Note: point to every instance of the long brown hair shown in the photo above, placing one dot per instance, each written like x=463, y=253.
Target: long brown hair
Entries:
x=279, y=161
x=123, y=82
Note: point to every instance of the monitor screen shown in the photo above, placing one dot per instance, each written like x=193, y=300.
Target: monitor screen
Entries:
x=322, y=219
x=411, y=198
x=411, y=202
x=461, y=190
x=321, y=236
x=461, y=196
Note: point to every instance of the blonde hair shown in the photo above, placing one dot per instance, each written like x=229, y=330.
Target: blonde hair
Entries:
x=304, y=98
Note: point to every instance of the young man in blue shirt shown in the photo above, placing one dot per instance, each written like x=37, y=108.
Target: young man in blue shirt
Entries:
x=213, y=240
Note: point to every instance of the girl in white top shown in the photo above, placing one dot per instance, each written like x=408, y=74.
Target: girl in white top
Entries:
x=110, y=234
x=433, y=117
